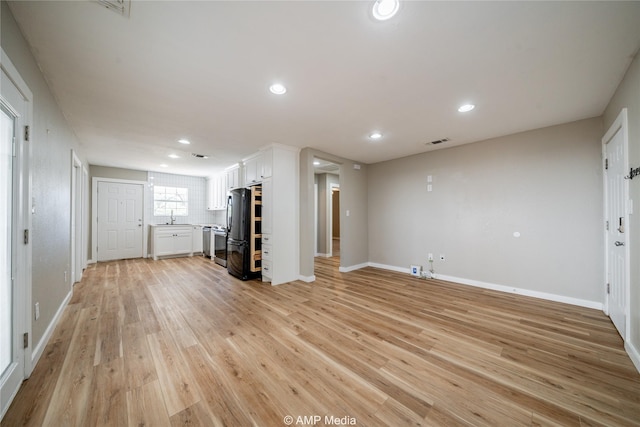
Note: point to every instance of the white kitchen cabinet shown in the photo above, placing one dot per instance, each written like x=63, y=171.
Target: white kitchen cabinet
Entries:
x=280, y=219
x=250, y=167
x=196, y=239
x=234, y=176
x=267, y=208
x=211, y=185
x=171, y=240
x=266, y=163
x=258, y=167
x=221, y=192
x=217, y=192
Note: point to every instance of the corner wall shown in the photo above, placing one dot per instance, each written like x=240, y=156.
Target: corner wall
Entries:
x=628, y=96
x=52, y=140
x=544, y=184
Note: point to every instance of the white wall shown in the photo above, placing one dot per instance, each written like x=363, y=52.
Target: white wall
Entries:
x=545, y=184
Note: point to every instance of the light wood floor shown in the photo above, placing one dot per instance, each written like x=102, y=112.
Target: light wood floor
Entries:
x=180, y=342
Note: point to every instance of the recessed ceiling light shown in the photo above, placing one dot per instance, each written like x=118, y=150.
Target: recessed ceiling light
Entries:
x=385, y=9
x=184, y=141
x=466, y=108
x=164, y=165
x=316, y=163
x=277, y=89
x=174, y=156
x=375, y=135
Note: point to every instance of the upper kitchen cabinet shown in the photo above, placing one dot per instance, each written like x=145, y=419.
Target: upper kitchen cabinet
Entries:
x=258, y=167
x=217, y=192
x=235, y=177
x=210, y=190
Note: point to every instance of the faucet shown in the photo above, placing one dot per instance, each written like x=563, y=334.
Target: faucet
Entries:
x=173, y=219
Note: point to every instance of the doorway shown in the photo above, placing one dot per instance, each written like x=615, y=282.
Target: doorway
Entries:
x=119, y=220
x=327, y=208
x=335, y=220
x=616, y=196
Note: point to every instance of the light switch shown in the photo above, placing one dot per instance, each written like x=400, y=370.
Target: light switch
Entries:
x=429, y=187
x=348, y=213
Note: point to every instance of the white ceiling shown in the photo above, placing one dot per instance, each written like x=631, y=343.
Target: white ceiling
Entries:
x=131, y=86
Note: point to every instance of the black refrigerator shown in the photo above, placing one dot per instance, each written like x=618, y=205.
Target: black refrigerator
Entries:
x=239, y=233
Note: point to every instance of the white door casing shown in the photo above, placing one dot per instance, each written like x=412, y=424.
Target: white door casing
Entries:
x=120, y=220
x=616, y=204
x=77, y=219
x=16, y=100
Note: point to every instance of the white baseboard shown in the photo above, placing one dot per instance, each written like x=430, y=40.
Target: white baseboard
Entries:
x=501, y=288
x=390, y=267
x=633, y=353
x=353, y=267
x=308, y=279
x=323, y=255
x=520, y=291
x=39, y=348
x=91, y=261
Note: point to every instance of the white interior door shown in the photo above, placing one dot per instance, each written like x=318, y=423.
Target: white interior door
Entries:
x=119, y=220
x=12, y=370
x=616, y=196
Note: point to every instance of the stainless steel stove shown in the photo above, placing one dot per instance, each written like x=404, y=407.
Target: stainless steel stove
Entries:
x=219, y=244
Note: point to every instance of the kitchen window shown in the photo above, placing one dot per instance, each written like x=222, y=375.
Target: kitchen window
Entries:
x=170, y=201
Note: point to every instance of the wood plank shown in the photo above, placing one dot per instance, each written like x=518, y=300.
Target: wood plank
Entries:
x=109, y=400
x=145, y=406
x=178, y=386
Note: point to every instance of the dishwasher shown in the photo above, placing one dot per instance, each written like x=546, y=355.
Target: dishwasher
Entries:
x=206, y=241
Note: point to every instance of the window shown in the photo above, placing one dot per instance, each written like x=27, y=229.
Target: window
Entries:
x=169, y=201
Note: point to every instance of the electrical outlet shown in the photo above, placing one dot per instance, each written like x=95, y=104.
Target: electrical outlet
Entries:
x=37, y=311
x=441, y=257
x=430, y=257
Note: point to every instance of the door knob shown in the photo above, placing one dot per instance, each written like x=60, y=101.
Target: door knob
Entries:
x=619, y=243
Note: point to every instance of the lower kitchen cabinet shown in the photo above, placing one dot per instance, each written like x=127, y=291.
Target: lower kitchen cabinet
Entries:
x=197, y=239
x=171, y=240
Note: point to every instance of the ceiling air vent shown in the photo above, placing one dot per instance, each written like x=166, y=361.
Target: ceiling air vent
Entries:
x=438, y=141
x=199, y=156
x=121, y=7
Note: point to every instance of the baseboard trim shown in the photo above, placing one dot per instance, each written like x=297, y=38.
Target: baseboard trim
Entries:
x=390, y=267
x=308, y=279
x=39, y=349
x=323, y=255
x=519, y=291
x=501, y=288
x=353, y=267
x=633, y=353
